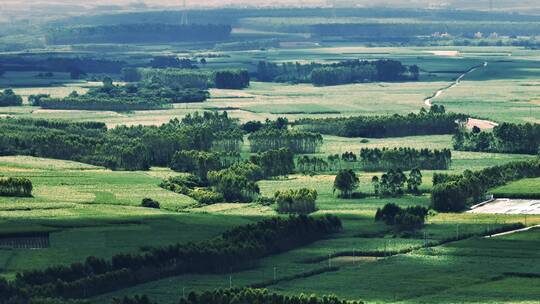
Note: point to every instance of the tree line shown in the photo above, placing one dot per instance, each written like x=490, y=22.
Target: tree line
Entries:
x=121, y=148
x=296, y=141
x=58, y=63
x=404, y=158
x=15, y=186
x=453, y=193
x=137, y=33
x=190, y=78
x=241, y=295
x=505, y=138
x=236, y=248
x=110, y=97
x=423, y=123
x=343, y=72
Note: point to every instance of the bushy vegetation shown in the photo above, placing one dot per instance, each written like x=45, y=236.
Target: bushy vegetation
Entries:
x=296, y=141
x=505, y=138
x=15, y=186
x=337, y=73
x=404, y=158
x=455, y=193
x=234, y=248
x=9, y=98
x=137, y=33
x=385, y=126
x=299, y=201
x=409, y=218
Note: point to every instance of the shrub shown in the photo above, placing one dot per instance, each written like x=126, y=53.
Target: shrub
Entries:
x=150, y=203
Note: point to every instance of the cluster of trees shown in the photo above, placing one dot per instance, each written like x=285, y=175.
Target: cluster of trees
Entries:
x=200, y=163
x=300, y=201
x=170, y=77
x=278, y=162
x=307, y=164
x=15, y=186
x=9, y=98
x=343, y=72
x=346, y=182
x=296, y=141
x=237, y=183
x=222, y=177
x=121, y=148
x=453, y=193
x=409, y=218
x=405, y=158
x=137, y=33
x=424, y=123
x=392, y=183
x=505, y=138
x=234, y=248
x=182, y=78
x=231, y=79
x=110, y=97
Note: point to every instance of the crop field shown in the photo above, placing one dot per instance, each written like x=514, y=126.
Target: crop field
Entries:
x=454, y=254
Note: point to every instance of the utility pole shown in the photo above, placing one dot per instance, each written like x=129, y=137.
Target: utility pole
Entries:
x=184, y=20
x=329, y=260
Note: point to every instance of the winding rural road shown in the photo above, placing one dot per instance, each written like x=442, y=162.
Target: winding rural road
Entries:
x=428, y=101
x=481, y=123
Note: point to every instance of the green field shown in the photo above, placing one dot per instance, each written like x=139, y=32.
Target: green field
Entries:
x=525, y=188
x=93, y=211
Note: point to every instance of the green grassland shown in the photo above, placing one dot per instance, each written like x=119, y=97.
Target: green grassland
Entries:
x=525, y=188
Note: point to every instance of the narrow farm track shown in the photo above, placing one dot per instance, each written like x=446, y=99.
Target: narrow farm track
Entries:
x=481, y=123
x=513, y=231
x=429, y=101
